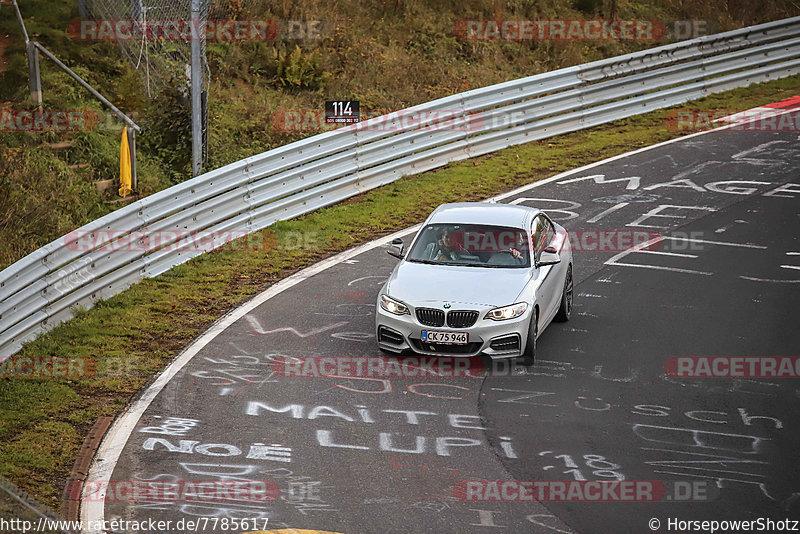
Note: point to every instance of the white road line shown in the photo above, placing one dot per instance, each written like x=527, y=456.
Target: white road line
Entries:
x=108, y=453
x=723, y=243
x=636, y=248
x=606, y=212
x=351, y=282
x=640, y=249
x=662, y=253
x=660, y=268
x=791, y=267
x=769, y=280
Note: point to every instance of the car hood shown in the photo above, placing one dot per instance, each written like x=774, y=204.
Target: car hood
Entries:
x=418, y=283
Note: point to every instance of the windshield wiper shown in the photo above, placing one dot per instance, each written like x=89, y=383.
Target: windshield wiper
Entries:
x=458, y=263
x=520, y=266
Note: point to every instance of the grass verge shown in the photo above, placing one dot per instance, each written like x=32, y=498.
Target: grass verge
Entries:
x=134, y=335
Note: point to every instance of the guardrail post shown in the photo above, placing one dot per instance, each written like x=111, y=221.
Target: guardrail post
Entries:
x=33, y=74
x=132, y=146
x=34, y=79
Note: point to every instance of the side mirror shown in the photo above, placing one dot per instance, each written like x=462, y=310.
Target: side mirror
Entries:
x=549, y=257
x=397, y=248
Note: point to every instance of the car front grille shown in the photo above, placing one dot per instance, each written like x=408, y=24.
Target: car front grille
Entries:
x=455, y=318
x=461, y=318
x=430, y=316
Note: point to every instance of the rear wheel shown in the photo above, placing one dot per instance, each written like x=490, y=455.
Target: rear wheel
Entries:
x=565, y=310
x=529, y=356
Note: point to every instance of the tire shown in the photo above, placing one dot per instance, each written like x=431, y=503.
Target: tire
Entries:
x=529, y=356
x=565, y=310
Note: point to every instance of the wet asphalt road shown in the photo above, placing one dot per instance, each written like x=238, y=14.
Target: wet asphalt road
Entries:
x=378, y=456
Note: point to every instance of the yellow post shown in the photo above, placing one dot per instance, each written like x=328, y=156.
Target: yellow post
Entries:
x=124, y=165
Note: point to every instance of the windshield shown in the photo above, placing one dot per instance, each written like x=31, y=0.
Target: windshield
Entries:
x=472, y=246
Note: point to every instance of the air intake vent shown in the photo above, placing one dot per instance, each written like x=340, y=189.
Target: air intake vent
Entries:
x=387, y=335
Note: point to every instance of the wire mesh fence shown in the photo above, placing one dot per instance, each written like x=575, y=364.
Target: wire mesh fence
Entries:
x=156, y=36
x=157, y=40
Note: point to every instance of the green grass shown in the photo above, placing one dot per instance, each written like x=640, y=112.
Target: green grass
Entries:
x=136, y=333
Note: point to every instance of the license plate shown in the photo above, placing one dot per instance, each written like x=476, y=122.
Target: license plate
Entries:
x=436, y=336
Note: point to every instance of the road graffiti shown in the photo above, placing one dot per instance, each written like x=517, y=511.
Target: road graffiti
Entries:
x=394, y=441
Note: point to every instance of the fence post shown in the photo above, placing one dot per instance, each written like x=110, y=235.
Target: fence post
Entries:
x=197, y=134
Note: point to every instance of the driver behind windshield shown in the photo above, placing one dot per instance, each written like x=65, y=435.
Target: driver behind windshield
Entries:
x=520, y=249
x=442, y=249
x=490, y=246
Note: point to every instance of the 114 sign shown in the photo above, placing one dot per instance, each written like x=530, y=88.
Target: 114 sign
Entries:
x=342, y=111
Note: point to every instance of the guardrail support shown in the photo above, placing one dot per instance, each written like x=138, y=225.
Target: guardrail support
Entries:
x=132, y=146
x=34, y=76
x=132, y=126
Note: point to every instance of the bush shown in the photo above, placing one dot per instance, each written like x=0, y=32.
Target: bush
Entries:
x=299, y=69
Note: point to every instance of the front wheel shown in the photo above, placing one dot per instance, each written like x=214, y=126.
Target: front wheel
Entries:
x=529, y=356
x=565, y=310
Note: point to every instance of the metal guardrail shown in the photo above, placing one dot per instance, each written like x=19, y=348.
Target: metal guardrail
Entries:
x=45, y=288
x=16, y=505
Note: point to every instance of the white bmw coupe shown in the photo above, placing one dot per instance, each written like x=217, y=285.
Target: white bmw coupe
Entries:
x=478, y=278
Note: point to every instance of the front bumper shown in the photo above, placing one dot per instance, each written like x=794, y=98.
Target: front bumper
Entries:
x=497, y=339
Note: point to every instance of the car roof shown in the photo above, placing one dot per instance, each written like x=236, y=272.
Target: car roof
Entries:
x=483, y=213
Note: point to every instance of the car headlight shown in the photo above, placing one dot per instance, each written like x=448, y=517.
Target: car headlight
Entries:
x=507, y=312
x=393, y=306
